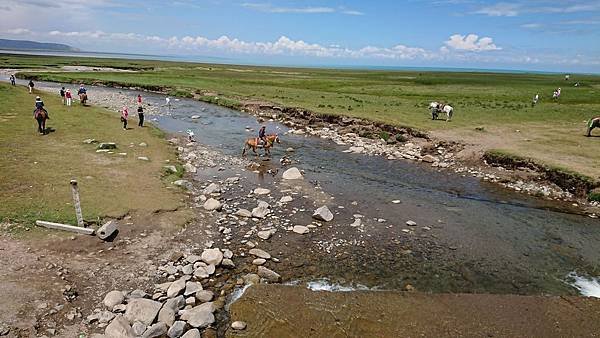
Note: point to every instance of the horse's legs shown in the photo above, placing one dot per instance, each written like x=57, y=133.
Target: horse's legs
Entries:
x=244, y=150
x=39, y=121
x=44, y=127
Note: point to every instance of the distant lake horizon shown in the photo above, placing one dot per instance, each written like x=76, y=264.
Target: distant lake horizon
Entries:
x=233, y=62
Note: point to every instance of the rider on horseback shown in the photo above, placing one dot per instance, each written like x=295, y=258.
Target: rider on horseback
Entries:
x=39, y=104
x=262, y=135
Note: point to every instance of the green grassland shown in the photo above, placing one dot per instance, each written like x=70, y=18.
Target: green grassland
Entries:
x=498, y=102
x=35, y=169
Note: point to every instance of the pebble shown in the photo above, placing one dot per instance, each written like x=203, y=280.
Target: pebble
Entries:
x=238, y=325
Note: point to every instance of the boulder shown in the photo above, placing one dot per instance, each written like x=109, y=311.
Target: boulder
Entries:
x=292, y=174
x=139, y=328
x=260, y=253
x=212, y=188
x=166, y=315
x=192, y=287
x=119, y=328
x=200, y=316
x=204, y=296
x=176, y=288
x=212, y=256
x=175, y=304
x=156, y=330
x=212, y=204
x=269, y=275
x=193, y=333
x=113, y=298
x=323, y=214
x=142, y=310
x=177, y=329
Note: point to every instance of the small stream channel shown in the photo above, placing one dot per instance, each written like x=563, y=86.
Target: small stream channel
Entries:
x=482, y=238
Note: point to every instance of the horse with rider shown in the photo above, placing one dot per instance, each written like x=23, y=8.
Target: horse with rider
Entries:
x=40, y=114
x=440, y=107
x=264, y=141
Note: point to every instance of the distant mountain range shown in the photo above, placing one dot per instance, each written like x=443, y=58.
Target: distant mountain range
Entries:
x=7, y=44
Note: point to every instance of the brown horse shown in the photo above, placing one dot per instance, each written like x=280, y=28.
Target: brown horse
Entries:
x=83, y=98
x=41, y=115
x=253, y=143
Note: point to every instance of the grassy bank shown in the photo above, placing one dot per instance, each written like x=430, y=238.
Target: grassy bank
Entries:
x=35, y=170
x=491, y=109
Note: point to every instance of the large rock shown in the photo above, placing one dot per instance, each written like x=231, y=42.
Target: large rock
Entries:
x=176, y=303
x=323, y=214
x=156, y=330
x=139, y=328
x=300, y=229
x=243, y=213
x=193, y=333
x=192, y=287
x=176, y=288
x=200, y=316
x=261, y=211
x=166, y=315
x=204, y=296
x=142, y=310
x=292, y=174
x=269, y=275
x=212, y=256
x=212, y=204
x=260, y=253
x=119, y=328
x=177, y=329
x=212, y=188
x=113, y=298
x=261, y=191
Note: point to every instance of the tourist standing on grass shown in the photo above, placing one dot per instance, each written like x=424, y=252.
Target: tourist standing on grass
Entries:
x=62, y=95
x=124, y=117
x=13, y=81
x=68, y=97
x=30, y=85
x=140, y=116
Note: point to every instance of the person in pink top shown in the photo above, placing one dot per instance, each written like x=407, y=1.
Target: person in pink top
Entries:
x=68, y=97
x=139, y=99
x=124, y=116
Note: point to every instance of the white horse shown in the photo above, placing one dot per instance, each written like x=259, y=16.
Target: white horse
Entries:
x=437, y=108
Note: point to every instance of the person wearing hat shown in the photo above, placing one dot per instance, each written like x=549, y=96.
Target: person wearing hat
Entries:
x=262, y=134
x=39, y=104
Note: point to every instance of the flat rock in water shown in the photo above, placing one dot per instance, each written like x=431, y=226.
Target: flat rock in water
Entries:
x=411, y=223
x=260, y=253
x=142, y=310
x=212, y=188
x=238, y=325
x=300, y=229
x=212, y=204
x=212, y=256
x=195, y=117
x=323, y=214
x=292, y=174
x=200, y=316
x=269, y=275
x=261, y=191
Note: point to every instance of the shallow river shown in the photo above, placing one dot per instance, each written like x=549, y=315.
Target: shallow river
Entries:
x=482, y=238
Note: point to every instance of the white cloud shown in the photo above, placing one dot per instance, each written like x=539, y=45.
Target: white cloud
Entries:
x=532, y=25
x=266, y=7
x=500, y=9
x=471, y=42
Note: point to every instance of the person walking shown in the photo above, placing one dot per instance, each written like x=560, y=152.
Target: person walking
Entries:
x=140, y=116
x=124, y=117
x=30, y=85
x=13, y=81
x=68, y=97
x=62, y=95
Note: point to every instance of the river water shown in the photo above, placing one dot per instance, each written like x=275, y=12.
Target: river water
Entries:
x=479, y=237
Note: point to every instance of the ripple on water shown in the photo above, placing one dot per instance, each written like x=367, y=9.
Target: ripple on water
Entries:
x=325, y=285
x=589, y=287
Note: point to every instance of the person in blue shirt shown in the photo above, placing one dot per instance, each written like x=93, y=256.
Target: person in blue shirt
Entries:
x=262, y=134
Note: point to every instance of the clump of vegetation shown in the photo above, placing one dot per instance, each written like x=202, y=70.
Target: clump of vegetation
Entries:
x=384, y=135
x=594, y=195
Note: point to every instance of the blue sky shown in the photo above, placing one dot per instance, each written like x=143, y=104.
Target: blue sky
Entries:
x=532, y=35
